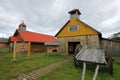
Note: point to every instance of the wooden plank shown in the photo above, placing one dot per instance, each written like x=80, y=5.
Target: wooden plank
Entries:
x=84, y=70
x=115, y=50
x=91, y=55
x=14, y=52
x=92, y=42
x=28, y=54
x=96, y=72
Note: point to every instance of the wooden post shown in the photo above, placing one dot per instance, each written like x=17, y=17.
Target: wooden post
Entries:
x=96, y=72
x=14, y=52
x=84, y=69
x=46, y=48
x=28, y=54
x=9, y=46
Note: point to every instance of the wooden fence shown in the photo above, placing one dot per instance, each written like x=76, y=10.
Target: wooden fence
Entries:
x=112, y=45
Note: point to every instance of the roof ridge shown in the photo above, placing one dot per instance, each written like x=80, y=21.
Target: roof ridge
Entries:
x=34, y=36
x=39, y=33
x=88, y=26
x=62, y=28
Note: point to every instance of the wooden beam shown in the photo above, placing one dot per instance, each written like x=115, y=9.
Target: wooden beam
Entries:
x=84, y=70
x=66, y=47
x=14, y=52
x=96, y=72
x=28, y=54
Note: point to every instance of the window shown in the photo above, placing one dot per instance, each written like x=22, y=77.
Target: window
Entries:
x=73, y=28
x=36, y=45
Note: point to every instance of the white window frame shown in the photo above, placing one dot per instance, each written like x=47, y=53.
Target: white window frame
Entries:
x=74, y=28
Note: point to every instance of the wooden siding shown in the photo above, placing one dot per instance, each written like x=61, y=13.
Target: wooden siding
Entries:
x=83, y=29
x=38, y=47
x=113, y=46
x=21, y=47
x=35, y=47
x=3, y=45
x=91, y=41
x=51, y=48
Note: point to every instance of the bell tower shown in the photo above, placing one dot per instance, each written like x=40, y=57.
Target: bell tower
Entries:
x=75, y=13
x=22, y=26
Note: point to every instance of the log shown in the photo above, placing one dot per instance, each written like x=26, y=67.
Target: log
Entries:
x=84, y=70
x=14, y=52
x=29, y=46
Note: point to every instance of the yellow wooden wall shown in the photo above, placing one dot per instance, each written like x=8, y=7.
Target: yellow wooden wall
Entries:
x=83, y=29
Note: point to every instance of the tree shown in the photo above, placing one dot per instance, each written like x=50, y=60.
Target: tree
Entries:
x=116, y=36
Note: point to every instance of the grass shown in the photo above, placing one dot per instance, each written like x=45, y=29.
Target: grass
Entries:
x=70, y=72
x=10, y=69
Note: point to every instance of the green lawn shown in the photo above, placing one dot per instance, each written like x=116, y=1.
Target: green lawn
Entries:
x=70, y=72
x=10, y=69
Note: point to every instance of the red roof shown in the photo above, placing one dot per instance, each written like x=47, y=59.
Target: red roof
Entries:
x=34, y=37
x=12, y=38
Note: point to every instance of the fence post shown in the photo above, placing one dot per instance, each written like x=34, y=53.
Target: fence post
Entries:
x=28, y=54
x=14, y=52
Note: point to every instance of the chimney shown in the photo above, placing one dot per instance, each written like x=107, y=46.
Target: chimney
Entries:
x=74, y=13
x=22, y=26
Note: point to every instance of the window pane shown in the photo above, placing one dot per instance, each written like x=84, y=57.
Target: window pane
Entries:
x=73, y=28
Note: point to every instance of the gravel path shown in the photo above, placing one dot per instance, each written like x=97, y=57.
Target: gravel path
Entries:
x=42, y=71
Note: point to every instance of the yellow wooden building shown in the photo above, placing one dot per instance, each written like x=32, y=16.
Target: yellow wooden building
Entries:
x=77, y=32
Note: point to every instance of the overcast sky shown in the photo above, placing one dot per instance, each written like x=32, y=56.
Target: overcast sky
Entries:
x=49, y=16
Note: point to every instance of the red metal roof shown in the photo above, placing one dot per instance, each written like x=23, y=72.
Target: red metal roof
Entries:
x=12, y=38
x=34, y=37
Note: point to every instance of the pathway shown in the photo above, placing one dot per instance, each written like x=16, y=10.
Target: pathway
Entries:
x=42, y=71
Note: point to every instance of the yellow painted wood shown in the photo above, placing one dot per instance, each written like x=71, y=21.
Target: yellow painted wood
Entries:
x=14, y=51
x=28, y=54
x=66, y=47
x=83, y=29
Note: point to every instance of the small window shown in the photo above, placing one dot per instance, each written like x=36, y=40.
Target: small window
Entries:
x=36, y=45
x=73, y=28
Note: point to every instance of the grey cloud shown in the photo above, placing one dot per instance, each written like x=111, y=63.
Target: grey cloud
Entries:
x=48, y=16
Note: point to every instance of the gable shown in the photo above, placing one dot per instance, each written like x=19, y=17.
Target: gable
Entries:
x=75, y=27
x=17, y=35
